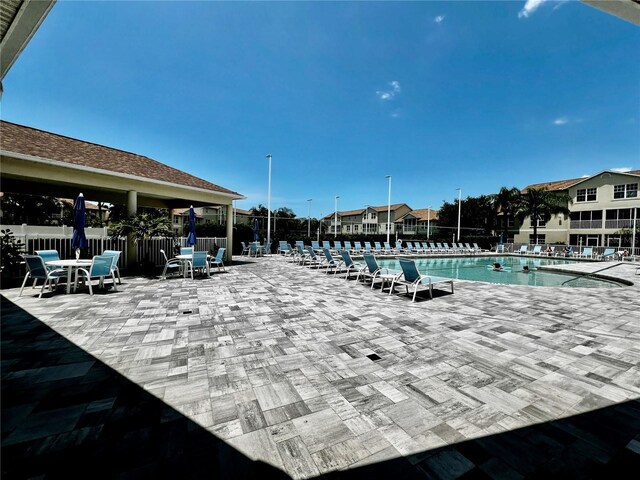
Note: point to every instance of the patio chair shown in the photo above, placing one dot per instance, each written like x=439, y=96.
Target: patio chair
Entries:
x=587, y=252
x=186, y=250
x=174, y=264
x=116, y=257
x=47, y=256
x=100, y=269
x=313, y=258
x=411, y=277
x=374, y=271
x=198, y=261
x=36, y=269
x=537, y=250
x=245, y=249
x=218, y=260
x=332, y=263
x=350, y=264
x=255, y=249
x=607, y=254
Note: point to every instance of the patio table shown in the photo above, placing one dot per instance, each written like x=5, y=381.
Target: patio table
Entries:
x=71, y=266
x=184, y=258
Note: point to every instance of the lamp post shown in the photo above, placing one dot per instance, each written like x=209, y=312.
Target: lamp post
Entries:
x=459, y=209
x=335, y=219
x=428, y=220
x=269, y=205
x=389, y=209
x=309, y=219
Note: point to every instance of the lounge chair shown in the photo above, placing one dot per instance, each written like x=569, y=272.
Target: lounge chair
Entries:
x=316, y=246
x=348, y=247
x=313, y=258
x=378, y=247
x=36, y=269
x=607, y=254
x=374, y=271
x=524, y=249
x=440, y=248
x=350, y=265
x=398, y=248
x=537, y=250
x=301, y=255
x=331, y=262
x=337, y=246
x=367, y=247
x=100, y=269
x=218, y=260
x=411, y=277
x=325, y=244
x=433, y=248
x=173, y=264
x=587, y=252
x=387, y=250
x=357, y=247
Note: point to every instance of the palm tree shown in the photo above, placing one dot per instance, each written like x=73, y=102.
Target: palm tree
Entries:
x=505, y=202
x=540, y=205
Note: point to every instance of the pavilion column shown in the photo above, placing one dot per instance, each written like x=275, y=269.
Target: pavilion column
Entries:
x=229, y=232
x=132, y=209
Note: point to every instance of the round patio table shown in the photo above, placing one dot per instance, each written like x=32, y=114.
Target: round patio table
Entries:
x=72, y=268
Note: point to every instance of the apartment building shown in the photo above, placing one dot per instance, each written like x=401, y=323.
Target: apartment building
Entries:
x=371, y=220
x=418, y=222
x=603, y=206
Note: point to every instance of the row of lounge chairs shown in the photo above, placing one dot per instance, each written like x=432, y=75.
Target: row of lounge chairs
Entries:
x=587, y=252
x=411, y=248
x=370, y=271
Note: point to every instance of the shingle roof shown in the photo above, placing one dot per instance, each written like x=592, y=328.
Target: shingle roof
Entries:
x=564, y=184
x=422, y=214
x=38, y=143
x=394, y=206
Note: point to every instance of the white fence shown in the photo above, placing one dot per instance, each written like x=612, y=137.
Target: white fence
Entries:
x=59, y=238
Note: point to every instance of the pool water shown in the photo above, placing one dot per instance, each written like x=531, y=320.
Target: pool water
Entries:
x=480, y=269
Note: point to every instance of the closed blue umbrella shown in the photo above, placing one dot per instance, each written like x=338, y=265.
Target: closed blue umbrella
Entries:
x=191, y=239
x=256, y=233
x=78, y=239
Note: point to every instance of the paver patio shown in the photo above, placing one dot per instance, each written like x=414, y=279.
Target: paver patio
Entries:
x=269, y=365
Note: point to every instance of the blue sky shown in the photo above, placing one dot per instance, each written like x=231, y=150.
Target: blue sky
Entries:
x=439, y=95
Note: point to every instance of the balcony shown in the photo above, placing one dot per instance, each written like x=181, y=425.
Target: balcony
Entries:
x=618, y=224
x=585, y=224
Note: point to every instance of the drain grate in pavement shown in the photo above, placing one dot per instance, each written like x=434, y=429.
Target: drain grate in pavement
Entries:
x=187, y=312
x=374, y=357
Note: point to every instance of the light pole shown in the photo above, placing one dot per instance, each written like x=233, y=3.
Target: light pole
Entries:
x=389, y=209
x=459, y=209
x=269, y=205
x=428, y=220
x=335, y=219
x=309, y=219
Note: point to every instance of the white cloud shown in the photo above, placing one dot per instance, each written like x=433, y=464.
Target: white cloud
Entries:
x=389, y=94
x=621, y=169
x=439, y=19
x=529, y=7
x=561, y=121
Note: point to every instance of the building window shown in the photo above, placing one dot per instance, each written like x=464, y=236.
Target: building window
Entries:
x=586, y=195
x=630, y=190
x=348, y=228
x=541, y=239
x=355, y=228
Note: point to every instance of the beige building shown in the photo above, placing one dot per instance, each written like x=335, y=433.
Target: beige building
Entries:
x=371, y=220
x=418, y=222
x=603, y=206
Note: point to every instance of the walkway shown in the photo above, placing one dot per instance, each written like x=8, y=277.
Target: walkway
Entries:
x=275, y=365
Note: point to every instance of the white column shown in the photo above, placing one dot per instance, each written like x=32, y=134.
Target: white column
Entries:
x=132, y=209
x=228, y=252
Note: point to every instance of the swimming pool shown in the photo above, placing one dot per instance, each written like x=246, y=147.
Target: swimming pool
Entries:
x=479, y=269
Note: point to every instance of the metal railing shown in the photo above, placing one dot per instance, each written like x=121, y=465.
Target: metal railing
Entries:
x=586, y=224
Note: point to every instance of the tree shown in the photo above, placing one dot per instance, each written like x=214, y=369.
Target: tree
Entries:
x=143, y=226
x=540, y=204
x=505, y=202
x=477, y=214
x=18, y=208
